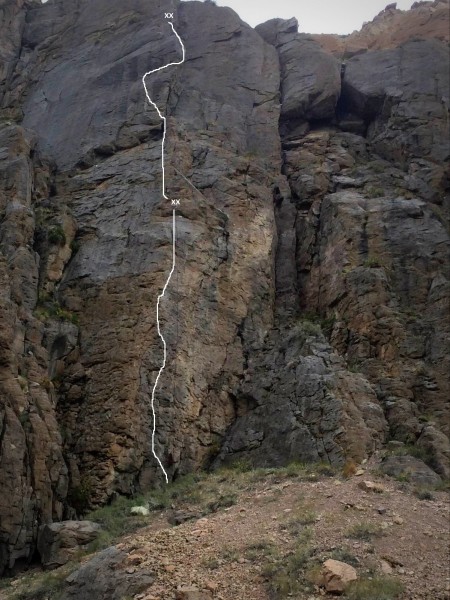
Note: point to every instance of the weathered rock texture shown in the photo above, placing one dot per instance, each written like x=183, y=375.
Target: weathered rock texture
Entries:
x=337, y=576
x=391, y=28
x=58, y=542
x=106, y=577
x=308, y=313
x=33, y=474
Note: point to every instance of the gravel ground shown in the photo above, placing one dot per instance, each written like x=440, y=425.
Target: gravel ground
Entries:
x=211, y=552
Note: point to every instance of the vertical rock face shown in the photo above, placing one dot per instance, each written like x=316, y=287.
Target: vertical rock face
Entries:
x=33, y=475
x=306, y=317
x=404, y=103
x=310, y=77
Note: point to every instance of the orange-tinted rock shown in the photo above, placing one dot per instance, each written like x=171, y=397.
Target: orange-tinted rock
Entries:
x=337, y=575
x=391, y=28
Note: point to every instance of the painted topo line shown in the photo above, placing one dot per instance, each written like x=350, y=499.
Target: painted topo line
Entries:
x=163, y=118
x=164, y=345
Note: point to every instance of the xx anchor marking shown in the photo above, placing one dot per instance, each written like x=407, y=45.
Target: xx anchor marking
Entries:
x=176, y=202
x=169, y=15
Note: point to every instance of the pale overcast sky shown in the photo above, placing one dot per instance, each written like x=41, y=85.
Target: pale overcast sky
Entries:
x=314, y=16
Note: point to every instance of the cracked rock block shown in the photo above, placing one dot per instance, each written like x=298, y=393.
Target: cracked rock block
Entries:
x=58, y=542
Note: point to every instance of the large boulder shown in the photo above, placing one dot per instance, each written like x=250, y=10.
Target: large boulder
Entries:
x=437, y=445
x=337, y=576
x=107, y=576
x=411, y=468
x=58, y=542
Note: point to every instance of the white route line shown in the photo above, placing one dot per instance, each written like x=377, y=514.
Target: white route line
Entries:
x=164, y=345
x=164, y=119
x=161, y=116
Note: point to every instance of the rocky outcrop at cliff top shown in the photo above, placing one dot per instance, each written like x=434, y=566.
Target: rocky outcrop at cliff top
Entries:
x=310, y=77
x=307, y=315
x=391, y=28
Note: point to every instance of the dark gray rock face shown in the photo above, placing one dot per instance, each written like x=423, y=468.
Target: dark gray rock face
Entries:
x=304, y=211
x=105, y=577
x=222, y=137
x=403, y=95
x=298, y=402
x=90, y=90
x=413, y=469
x=12, y=23
x=310, y=77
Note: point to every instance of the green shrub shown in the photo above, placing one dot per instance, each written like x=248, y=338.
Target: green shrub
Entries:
x=116, y=520
x=230, y=554
x=327, y=325
x=48, y=586
x=211, y=563
x=257, y=550
x=302, y=516
x=420, y=452
x=403, y=193
x=285, y=574
x=443, y=486
x=242, y=465
x=295, y=469
x=223, y=501
x=313, y=323
x=309, y=328
x=374, y=192
x=50, y=308
x=375, y=588
x=364, y=531
x=79, y=496
x=355, y=365
x=64, y=315
x=56, y=235
x=403, y=477
x=423, y=494
x=325, y=469
x=343, y=555
x=373, y=262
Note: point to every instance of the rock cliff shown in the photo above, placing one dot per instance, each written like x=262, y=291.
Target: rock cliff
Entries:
x=307, y=318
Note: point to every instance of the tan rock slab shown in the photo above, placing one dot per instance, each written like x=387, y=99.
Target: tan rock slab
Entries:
x=337, y=575
x=386, y=568
x=193, y=593
x=370, y=486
